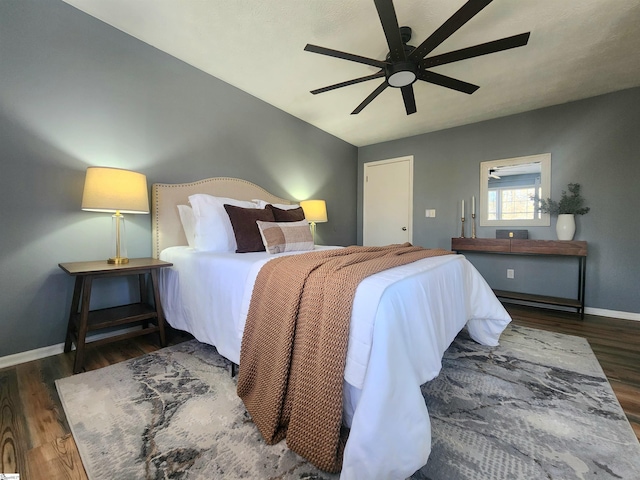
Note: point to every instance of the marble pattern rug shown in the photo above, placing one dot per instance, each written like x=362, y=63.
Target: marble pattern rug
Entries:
x=536, y=407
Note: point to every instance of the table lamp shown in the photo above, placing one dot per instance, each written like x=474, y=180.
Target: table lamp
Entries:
x=119, y=191
x=315, y=211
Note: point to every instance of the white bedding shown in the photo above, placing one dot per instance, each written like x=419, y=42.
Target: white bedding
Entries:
x=403, y=320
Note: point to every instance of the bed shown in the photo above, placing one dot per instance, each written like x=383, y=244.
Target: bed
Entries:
x=402, y=321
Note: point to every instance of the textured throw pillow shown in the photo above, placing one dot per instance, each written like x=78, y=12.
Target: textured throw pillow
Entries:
x=213, y=230
x=245, y=229
x=282, y=215
x=188, y=220
x=281, y=237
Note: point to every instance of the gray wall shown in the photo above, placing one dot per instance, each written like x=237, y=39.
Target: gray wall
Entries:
x=594, y=142
x=75, y=92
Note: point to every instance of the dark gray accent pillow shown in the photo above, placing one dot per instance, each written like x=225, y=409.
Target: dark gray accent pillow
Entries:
x=281, y=215
x=245, y=228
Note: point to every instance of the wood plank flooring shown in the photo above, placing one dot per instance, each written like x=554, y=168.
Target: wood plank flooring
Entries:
x=35, y=439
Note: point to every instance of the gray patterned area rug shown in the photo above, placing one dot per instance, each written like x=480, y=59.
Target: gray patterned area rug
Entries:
x=536, y=407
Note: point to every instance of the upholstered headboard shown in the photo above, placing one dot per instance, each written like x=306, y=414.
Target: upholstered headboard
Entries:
x=165, y=197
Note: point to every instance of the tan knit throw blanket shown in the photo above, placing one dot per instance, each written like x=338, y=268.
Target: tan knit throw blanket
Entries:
x=295, y=341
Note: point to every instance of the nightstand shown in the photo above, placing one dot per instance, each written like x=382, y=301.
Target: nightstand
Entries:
x=82, y=320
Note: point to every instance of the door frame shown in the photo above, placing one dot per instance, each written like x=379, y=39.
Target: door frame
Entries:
x=365, y=165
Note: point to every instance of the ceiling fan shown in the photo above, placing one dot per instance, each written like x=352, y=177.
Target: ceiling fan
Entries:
x=405, y=64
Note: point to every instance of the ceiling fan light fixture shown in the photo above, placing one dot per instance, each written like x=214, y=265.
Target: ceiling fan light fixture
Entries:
x=401, y=74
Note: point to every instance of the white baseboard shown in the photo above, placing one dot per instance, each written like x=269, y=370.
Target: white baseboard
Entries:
x=23, y=357
x=601, y=312
x=38, y=353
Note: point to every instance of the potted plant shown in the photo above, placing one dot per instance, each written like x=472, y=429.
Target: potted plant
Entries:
x=570, y=204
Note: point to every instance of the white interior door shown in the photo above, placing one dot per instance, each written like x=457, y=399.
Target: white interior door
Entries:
x=388, y=202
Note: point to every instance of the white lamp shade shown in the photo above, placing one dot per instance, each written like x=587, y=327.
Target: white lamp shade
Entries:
x=113, y=189
x=314, y=210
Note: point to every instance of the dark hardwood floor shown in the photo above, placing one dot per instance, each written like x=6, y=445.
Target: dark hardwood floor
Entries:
x=35, y=439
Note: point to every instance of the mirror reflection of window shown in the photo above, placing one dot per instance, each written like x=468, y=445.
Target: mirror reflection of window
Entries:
x=509, y=187
x=511, y=191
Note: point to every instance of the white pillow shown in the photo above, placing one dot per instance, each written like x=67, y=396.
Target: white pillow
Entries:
x=188, y=219
x=283, y=206
x=213, y=230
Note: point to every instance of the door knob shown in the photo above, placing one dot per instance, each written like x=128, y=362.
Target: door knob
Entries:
x=404, y=229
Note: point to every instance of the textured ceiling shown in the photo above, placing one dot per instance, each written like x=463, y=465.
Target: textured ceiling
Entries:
x=577, y=49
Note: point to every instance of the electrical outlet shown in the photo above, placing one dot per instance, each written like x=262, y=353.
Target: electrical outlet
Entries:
x=510, y=273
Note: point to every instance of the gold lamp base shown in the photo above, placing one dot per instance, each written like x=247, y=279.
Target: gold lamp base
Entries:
x=119, y=253
x=313, y=231
x=118, y=260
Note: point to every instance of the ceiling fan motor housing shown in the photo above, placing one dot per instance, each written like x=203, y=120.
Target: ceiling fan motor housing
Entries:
x=400, y=74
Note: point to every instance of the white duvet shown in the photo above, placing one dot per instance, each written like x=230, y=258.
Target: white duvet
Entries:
x=403, y=320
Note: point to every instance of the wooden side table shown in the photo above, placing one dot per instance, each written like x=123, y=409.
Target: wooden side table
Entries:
x=82, y=320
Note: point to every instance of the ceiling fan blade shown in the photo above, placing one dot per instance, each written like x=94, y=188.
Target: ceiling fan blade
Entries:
x=368, y=100
x=345, y=56
x=348, y=82
x=448, y=28
x=409, y=99
x=389, y=21
x=477, y=50
x=448, y=82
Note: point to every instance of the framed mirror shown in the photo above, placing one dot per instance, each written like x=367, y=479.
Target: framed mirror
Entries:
x=507, y=187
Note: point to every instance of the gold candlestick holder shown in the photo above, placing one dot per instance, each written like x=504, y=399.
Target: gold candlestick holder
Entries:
x=473, y=225
x=462, y=230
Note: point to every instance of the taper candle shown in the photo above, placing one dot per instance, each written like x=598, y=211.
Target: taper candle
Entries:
x=473, y=204
x=462, y=210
